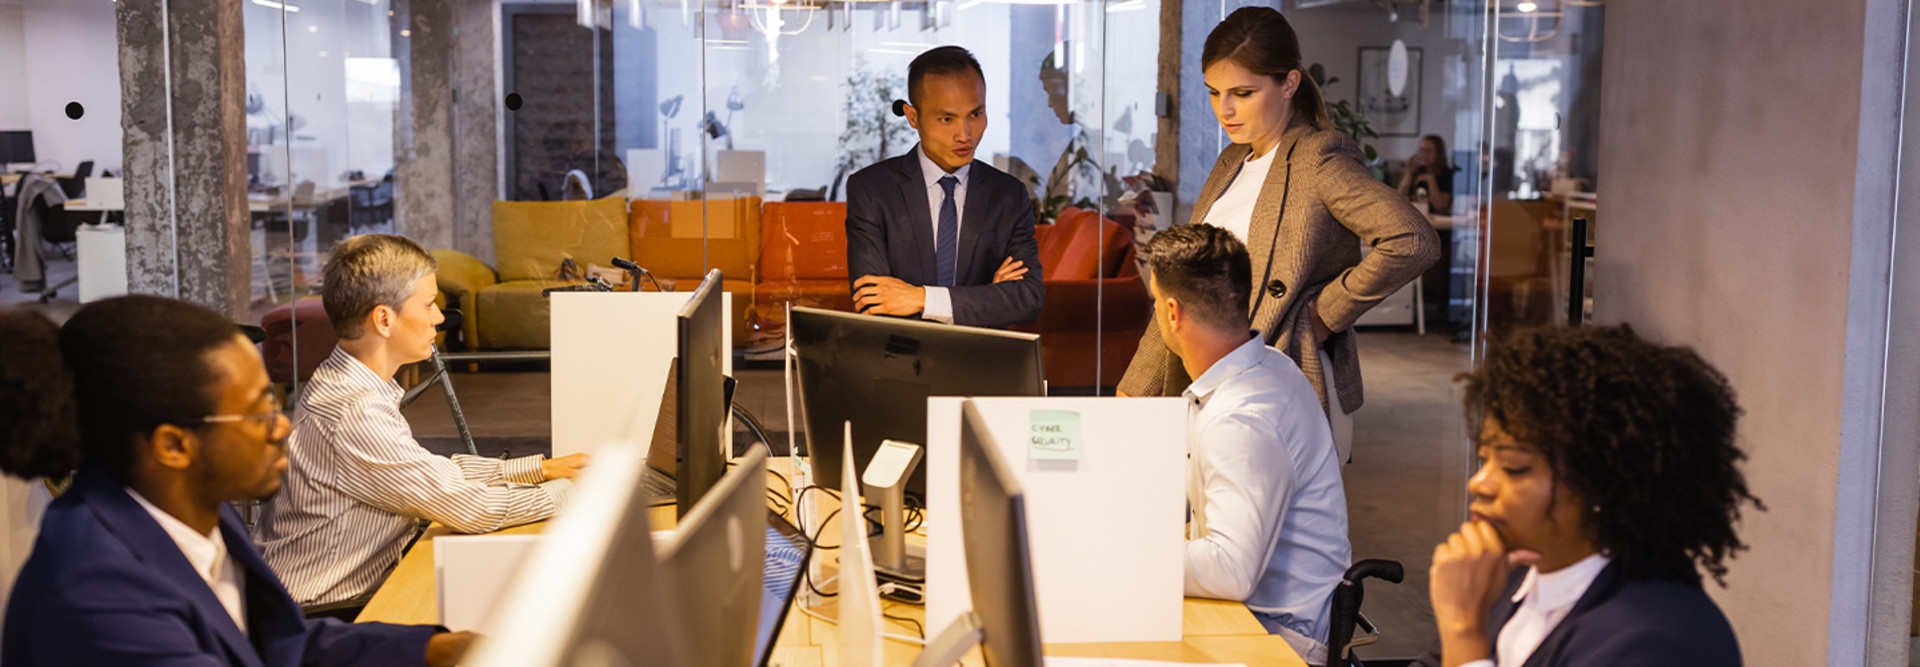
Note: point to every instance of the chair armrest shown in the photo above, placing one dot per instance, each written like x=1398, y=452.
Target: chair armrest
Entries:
x=462, y=275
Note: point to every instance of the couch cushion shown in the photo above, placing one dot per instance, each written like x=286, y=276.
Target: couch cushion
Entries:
x=682, y=239
x=804, y=241
x=1094, y=251
x=772, y=296
x=531, y=238
x=461, y=277
x=515, y=315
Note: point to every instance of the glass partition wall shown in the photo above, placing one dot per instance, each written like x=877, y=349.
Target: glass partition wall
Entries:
x=531, y=143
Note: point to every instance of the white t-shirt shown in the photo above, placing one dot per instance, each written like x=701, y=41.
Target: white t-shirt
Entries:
x=1234, y=210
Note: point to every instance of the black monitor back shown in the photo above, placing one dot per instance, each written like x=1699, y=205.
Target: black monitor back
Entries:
x=700, y=403
x=993, y=521
x=16, y=146
x=878, y=372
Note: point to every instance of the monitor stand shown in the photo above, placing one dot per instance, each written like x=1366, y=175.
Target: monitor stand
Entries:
x=895, y=561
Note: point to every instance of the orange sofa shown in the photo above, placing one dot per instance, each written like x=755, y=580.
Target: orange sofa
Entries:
x=678, y=241
x=1097, y=307
x=803, y=260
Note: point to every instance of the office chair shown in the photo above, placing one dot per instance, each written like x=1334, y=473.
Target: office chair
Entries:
x=1345, y=617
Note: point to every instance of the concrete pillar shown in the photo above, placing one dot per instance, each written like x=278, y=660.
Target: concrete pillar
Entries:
x=182, y=96
x=476, y=128
x=447, y=171
x=1166, y=145
x=423, y=169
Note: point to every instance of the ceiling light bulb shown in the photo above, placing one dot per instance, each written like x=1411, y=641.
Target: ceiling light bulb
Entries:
x=1527, y=6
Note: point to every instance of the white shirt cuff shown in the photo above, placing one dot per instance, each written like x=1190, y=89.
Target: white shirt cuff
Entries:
x=938, y=306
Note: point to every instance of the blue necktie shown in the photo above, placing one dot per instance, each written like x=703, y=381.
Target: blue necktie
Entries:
x=947, y=237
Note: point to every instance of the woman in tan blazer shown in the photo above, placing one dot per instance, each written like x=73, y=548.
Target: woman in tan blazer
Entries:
x=1296, y=192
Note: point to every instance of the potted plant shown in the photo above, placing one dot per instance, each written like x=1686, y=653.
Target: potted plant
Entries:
x=873, y=132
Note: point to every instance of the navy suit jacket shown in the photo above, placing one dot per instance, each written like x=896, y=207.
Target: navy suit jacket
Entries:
x=1623, y=622
x=106, y=585
x=890, y=233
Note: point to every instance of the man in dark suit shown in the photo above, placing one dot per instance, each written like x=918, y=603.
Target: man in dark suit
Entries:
x=935, y=233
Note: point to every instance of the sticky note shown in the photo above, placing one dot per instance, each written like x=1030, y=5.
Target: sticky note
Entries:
x=1053, y=435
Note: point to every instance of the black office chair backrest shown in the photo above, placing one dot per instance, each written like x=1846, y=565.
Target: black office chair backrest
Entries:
x=84, y=170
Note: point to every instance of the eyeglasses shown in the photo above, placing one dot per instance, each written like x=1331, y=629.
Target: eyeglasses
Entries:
x=271, y=417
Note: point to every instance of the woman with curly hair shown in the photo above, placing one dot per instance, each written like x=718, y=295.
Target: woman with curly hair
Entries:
x=1611, y=477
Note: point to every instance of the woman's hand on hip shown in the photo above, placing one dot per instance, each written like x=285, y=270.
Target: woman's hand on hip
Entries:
x=1321, y=332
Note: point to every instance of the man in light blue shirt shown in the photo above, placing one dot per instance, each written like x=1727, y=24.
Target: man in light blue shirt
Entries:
x=1269, y=513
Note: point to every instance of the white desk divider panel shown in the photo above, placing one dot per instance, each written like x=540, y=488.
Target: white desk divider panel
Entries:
x=471, y=571
x=859, y=617
x=611, y=352
x=102, y=254
x=1107, y=531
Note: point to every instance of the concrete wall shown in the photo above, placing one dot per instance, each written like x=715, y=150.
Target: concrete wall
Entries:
x=13, y=68
x=71, y=56
x=1748, y=164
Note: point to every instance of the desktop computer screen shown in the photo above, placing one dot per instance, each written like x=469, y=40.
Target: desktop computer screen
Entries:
x=993, y=519
x=878, y=372
x=700, y=404
x=716, y=561
x=16, y=146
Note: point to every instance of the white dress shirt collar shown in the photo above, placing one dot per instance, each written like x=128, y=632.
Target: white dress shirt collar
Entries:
x=1237, y=361
x=361, y=375
x=1544, y=600
x=208, y=556
x=1561, y=588
x=932, y=173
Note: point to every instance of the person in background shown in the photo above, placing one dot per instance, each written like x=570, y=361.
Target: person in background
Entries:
x=165, y=409
x=936, y=234
x=1269, y=511
x=1610, y=477
x=359, y=483
x=1294, y=190
x=1430, y=175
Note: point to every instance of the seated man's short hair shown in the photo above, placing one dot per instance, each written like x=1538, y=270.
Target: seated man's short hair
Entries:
x=1207, y=270
x=368, y=271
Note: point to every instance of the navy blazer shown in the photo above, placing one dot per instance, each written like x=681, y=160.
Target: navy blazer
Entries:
x=106, y=585
x=1623, y=622
x=890, y=233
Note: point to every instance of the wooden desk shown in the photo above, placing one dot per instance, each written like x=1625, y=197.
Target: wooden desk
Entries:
x=1215, y=631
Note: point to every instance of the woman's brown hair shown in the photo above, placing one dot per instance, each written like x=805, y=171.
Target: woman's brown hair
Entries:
x=1261, y=41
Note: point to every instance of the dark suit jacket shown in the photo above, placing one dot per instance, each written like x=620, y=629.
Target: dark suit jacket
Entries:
x=890, y=233
x=106, y=585
x=1622, y=622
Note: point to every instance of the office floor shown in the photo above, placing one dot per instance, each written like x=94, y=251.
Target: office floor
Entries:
x=1404, y=488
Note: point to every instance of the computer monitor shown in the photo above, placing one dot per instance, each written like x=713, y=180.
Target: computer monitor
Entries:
x=591, y=592
x=700, y=404
x=878, y=372
x=993, y=520
x=16, y=146
x=716, y=560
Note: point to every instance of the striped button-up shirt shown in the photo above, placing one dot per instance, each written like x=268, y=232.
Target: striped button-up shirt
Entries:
x=358, y=482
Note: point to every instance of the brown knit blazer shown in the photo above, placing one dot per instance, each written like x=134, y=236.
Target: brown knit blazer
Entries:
x=1313, y=254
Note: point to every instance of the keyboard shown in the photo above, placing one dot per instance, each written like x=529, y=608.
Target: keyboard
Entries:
x=658, y=486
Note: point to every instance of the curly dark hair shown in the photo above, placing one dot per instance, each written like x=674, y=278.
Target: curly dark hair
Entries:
x=115, y=371
x=1642, y=433
x=39, y=417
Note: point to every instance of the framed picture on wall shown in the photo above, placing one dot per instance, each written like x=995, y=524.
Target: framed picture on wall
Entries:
x=1393, y=113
